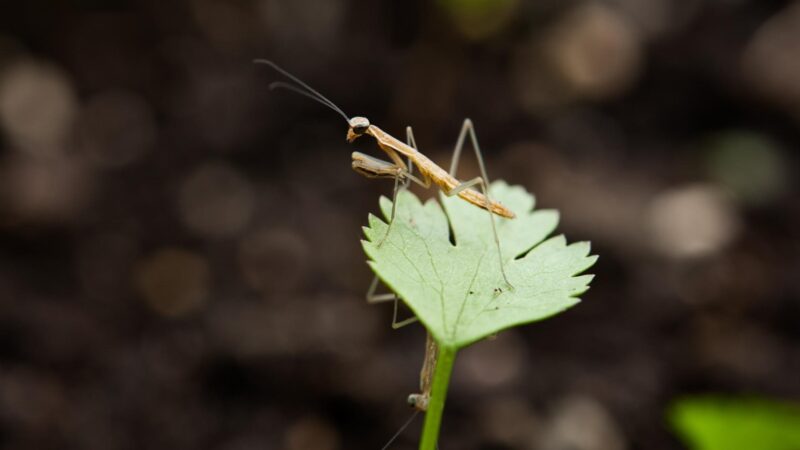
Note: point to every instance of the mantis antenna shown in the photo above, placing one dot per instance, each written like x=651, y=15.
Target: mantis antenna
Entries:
x=400, y=431
x=301, y=88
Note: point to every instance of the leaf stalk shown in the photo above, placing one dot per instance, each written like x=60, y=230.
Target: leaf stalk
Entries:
x=441, y=380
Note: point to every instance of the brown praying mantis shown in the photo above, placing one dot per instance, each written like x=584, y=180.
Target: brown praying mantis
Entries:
x=402, y=173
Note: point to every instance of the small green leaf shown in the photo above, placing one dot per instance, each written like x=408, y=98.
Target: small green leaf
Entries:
x=719, y=423
x=457, y=291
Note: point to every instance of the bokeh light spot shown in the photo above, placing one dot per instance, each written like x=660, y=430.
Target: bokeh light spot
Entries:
x=37, y=106
x=215, y=200
x=692, y=221
x=173, y=282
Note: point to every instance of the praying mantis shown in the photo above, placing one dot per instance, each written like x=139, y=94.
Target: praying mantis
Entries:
x=402, y=173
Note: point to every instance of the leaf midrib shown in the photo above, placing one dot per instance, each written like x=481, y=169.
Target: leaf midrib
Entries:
x=466, y=296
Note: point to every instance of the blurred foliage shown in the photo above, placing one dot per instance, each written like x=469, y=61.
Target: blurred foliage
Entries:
x=749, y=164
x=720, y=423
x=477, y=19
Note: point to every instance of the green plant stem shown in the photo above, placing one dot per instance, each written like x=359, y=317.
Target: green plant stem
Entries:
x=433, y=416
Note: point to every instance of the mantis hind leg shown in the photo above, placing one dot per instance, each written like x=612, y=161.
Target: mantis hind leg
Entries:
x=467, y=129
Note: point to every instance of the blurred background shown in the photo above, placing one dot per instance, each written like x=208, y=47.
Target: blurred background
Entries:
x=180, y=265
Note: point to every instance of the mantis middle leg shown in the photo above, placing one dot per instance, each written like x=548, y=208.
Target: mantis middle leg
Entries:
x=407, y=177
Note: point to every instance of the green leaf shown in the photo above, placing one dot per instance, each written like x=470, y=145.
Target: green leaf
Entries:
x=719, y=423
x=457, y=291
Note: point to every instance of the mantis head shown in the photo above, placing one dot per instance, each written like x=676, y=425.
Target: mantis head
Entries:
x=358, y=126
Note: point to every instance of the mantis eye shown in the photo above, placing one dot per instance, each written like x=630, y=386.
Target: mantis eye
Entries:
x=359, y=124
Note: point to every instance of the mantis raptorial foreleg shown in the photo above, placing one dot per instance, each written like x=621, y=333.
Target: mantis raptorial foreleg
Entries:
x=468, y=129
